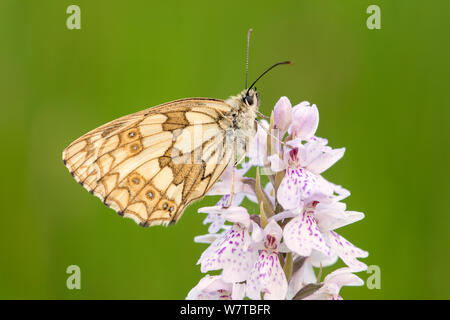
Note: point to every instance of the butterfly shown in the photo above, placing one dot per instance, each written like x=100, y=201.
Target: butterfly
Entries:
x=150, y=165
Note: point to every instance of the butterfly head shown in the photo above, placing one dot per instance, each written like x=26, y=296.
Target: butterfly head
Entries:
x=250, y=98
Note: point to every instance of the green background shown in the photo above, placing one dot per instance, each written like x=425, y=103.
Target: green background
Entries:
x=383, y=94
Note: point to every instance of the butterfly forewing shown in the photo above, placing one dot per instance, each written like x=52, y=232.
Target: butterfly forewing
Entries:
x=150, y=165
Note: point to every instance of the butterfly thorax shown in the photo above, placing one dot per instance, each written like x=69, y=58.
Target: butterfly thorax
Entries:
x=243, y=116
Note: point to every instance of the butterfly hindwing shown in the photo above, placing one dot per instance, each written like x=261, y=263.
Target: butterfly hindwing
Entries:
x=150, y=165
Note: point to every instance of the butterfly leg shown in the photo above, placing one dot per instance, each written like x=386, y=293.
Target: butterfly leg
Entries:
x=232, y=188
x=270, y=134
x=262, y=115
x=236, y=163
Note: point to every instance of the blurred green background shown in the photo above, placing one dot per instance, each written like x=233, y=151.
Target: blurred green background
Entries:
x=383, y=94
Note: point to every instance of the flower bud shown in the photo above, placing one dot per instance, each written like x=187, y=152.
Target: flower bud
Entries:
x=305, y=120
x=283, y=114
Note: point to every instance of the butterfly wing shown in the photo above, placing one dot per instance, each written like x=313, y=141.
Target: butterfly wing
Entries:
x=150, y=165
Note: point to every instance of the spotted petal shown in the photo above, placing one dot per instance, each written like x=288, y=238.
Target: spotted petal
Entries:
x=312, y=149
x=235, y=202
x=232, y=253
x=297, y=185
x=211, y=288
x=302, y=235
x=347, y=252
x=217, y=216
x=267, y=276
x=216, y=219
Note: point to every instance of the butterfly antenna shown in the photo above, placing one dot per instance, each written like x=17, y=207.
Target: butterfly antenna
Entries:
x=248, y=50
x=276, y=64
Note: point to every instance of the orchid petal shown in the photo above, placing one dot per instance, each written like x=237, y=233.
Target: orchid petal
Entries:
x=347, y=252
x=267, y=276
x=238, y=291
x=235, y=202
x=258, y=145
x=296, y=185
x=206, y=238
x=276, y=164
x=325, y=160
x=282, y=114
x=333, y=283
x=305, y=120
x=326, y=191
x=284, y=215
x=318, y=259
x=343, y=277
x=312, y=150
x=230, y=253
x=232, y=214
x=223, y=186
x=331, y=218
x=270, y=191
x=210, y=288
x=237, y=215
x=273, y=229
x=257, y=232
x=302, y=235
x=301, y=278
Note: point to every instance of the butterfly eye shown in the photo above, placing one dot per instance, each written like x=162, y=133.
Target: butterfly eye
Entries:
x=249, y=100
